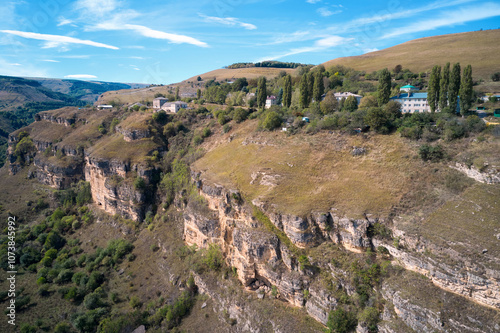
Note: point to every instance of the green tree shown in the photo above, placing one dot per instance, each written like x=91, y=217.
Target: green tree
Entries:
x=198, y=93
x=350, y=104
x=177, y=97
x=287, y=91
x=329, y=104
x=453, y=87
x=443, y=87
x=310, y=87
x=384, y=87
x=341, y=321
x=466, y=92
x=433, y=89
x=304, y=91
x=272, y=121
x=261, y=92
x=319, y=87
x=279, y=99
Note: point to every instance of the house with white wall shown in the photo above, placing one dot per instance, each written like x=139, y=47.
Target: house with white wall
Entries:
x=340, y=95
x=270, y=101
x=158, y=102
x=174, y=107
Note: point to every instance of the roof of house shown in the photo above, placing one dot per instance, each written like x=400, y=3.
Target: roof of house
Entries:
x=271, y=97
x=160, y=98
x=408, y=86
x=412, y=95
x=346, y=94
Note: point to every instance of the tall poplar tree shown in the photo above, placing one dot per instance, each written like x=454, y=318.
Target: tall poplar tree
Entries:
x=310, y=87
x=454, y=87
x=261, y=92
x=287, y=91
x=433, y=89
x=319, y=87
x=304, y=91
x=466, y=91
x=384, y=87
x=443, y=87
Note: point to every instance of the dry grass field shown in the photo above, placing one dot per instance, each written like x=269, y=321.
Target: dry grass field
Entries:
x=478, y=48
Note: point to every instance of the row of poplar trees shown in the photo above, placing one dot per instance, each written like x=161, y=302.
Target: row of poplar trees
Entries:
x=445, y=87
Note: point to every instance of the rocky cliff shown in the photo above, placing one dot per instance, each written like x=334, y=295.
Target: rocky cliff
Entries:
x=263, y=261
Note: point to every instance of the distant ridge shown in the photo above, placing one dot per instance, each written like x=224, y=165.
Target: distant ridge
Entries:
x=481, y=49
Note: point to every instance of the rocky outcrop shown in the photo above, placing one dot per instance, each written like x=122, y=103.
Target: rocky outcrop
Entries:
x=490, y=176
x=57, y=175
x=131, y=134
x=260, y=258
x=425, y=308
x=461, y=276
x=112, y=191
x=47, y=116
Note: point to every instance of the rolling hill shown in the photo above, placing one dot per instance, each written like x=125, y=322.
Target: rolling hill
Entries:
x=478, y=48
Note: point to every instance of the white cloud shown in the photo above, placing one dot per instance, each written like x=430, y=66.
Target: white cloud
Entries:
x=231, y=21
x=313, y=1
x=368, y=50
x=50, y=60
x=80, y=76
x=97, y=8
x=134, y=57
x=57, y=40
x=387, y=16
x=148, y=32
x=319, y=45
x=448, y=18
x=64, y=21
x=324, y=11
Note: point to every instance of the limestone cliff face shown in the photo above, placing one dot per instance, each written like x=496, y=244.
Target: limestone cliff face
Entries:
x=111, y=191
x=63, y=120
x=449, y=270
x=260, y=259
x=56, y=175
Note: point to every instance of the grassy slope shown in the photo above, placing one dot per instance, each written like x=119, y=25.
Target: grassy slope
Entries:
x=249, y=73
x=314, y=172
x=478, y=48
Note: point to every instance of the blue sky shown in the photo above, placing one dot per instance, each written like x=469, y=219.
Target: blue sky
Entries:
x=168, y=41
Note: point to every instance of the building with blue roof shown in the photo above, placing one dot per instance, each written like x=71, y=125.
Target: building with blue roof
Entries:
x=412, y=102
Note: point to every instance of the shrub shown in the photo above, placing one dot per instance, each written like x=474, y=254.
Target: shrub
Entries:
x=64, y=276
x=431, y=153
x=135, y=302
x=226, y=128
x=453, y=130
x=139, y=183
x=63, y=327
x=370, y=318
x=475, y=124
x=213, y=257
x=341, y=321
x=240, y=115
x=206, y=132
x=271, y=121
x=43, y=290
x=92, y=301
x=197, y=140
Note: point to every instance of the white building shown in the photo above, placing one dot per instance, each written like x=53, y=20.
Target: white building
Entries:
x=104, y=107
x=158, y=102
x=174, y=106
x=270, y=101
x=340, y=95
x=412, y=102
